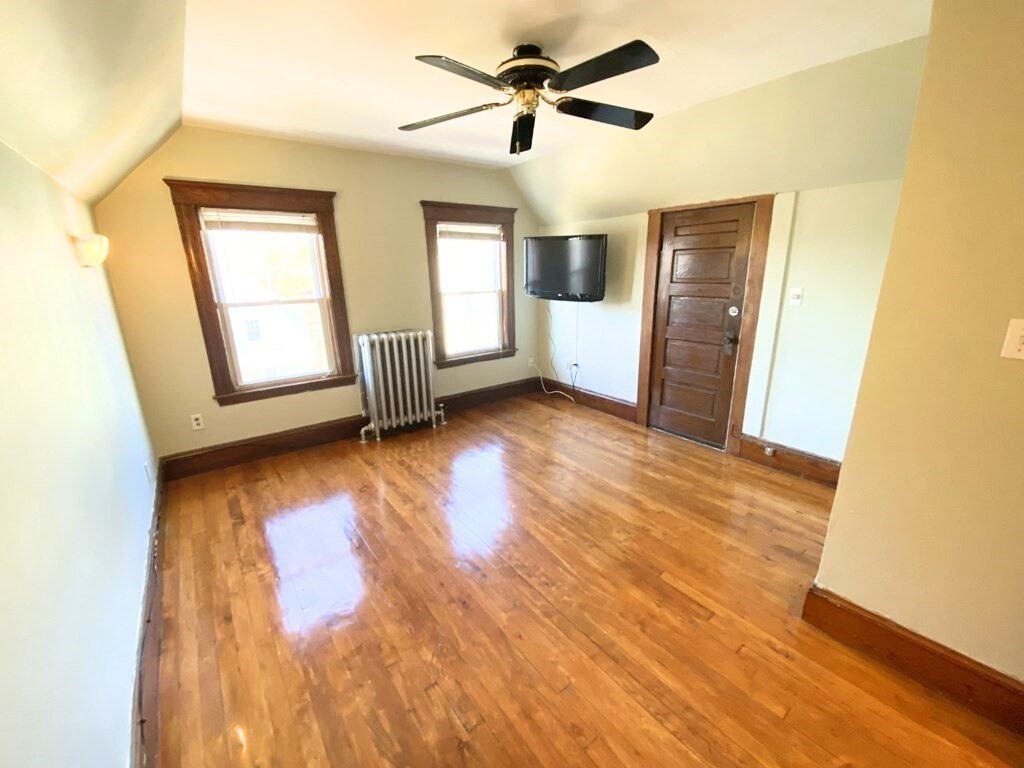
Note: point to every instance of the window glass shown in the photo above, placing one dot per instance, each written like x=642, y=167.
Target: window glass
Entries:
x=271, y=291
x=469, y=263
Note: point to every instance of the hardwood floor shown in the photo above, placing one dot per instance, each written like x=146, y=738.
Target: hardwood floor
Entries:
x=532, y=585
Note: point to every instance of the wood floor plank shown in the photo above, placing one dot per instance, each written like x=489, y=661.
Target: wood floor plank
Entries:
x=534, y=584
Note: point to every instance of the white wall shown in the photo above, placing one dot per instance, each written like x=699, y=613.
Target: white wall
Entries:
x=808, y=358
x=928, y=519
x=383, y=258
x=609, y=331
x=75, y=502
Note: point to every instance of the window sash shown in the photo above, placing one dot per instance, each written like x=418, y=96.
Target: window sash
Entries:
x=269, y=221
x=324, y=308
x=486, y=233
x=493, y=226
x=322, y=282
x=500, y=340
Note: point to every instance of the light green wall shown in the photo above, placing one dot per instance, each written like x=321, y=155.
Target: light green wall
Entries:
x=75, y=501
x=383, y=260
x=928, y=519
x=840, y=123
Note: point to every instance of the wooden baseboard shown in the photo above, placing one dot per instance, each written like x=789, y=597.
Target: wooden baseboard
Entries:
x=795, y=462
x=610, y=405
x=180, y=465
x=988, y=692
x=145, y=729
x=476, y=397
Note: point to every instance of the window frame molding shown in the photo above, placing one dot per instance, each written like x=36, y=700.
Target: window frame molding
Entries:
x=434, y=213
x=188, y=197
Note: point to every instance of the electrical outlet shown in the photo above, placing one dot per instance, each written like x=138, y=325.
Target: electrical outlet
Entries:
x=197, y=421
x=1013, y=346
x=795, y=297
x=532, y=363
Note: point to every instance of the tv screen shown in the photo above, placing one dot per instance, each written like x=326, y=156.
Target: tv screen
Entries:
x=566, y=267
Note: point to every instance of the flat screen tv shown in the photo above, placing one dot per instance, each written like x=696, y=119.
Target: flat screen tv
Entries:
x=566, y=267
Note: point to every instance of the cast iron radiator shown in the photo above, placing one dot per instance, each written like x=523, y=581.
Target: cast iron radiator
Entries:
x=397, y=380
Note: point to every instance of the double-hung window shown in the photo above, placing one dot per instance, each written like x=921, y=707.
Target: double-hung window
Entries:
x=267, y=281
x=470, y=256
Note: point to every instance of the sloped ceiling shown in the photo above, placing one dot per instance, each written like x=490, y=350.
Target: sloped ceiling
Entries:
x=344, y=72
x=89, y=87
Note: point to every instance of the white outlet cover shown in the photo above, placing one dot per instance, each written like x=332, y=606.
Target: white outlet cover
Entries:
x=1013, y=345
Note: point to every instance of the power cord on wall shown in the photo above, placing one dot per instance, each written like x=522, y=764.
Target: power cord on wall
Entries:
x=574, y=366
x=540, y=375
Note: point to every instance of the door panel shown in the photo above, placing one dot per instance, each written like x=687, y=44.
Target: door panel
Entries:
x=696, y=310
x=693, y=356
x=702, y=272
x=691, y=400
x=695, y=264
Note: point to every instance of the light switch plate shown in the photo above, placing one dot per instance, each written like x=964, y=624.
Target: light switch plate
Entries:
x=795, y=297
x=1014, y=344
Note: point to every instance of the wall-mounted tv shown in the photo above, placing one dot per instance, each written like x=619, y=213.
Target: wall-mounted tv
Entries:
x=566, y=267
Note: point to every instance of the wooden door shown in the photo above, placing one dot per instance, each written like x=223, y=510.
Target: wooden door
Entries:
x=702, y=272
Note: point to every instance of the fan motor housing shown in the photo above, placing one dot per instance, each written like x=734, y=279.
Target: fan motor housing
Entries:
x=528, y=68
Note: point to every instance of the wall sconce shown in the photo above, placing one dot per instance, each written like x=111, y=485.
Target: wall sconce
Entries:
x=91, y=250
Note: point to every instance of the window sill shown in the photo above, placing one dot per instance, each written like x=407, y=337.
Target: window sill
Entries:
x=451, y=362
x=279, y=390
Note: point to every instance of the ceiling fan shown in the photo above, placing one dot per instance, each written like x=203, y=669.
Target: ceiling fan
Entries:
x=528, y=75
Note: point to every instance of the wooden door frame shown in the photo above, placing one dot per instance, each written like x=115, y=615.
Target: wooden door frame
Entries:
x=751, y=305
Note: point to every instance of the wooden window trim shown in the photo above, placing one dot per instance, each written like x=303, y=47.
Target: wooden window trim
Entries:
x=188, y=197
x=437, y=212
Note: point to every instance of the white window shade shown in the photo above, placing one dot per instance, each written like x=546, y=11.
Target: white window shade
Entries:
x=259, y=221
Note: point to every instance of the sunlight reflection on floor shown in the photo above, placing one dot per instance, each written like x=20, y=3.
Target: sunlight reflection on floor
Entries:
x=318, y=571
x=478, y=508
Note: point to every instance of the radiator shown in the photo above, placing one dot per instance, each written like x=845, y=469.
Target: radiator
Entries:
x=397, y=380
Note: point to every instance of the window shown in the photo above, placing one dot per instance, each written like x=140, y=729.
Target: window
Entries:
x=267, y=280
x=469, y=251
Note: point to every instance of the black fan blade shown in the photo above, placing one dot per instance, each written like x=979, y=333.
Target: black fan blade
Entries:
x=604, y=113
x=522, y=133
x=451, y=116
x=625, y=58
x=457, y=68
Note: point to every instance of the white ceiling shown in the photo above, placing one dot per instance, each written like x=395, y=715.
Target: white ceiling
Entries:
x=344, y=73
x=88, y=89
